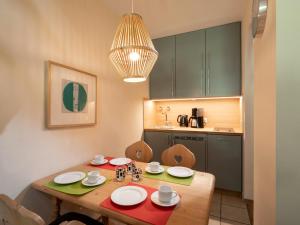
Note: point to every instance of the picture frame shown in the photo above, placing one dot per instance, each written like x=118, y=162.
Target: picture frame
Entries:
x=71, y=97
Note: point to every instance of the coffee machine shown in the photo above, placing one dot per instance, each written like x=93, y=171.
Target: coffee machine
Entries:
x=197, y=120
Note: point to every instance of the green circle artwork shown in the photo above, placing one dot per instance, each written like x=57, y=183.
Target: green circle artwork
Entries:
x=74, y=97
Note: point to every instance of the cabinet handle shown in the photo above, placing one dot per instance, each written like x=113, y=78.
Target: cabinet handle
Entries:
x=208, y=74
x=188, y=138
x=202, y=74
x=173, y=76
x=208, y=82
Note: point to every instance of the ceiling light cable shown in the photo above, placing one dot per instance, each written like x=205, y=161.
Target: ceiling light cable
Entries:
x=131, y=6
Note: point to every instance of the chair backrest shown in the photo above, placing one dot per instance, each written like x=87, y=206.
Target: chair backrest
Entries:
x=178, y=155
x=139, y=151
x=11, y=213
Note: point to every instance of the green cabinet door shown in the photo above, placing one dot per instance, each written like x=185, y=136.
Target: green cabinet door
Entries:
x=190, y=65
x=223, y=60
x=162, y=74
x=196, y=143
x=158, y=141
x=224, y=160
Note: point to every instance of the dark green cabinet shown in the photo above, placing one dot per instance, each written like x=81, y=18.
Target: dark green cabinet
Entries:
x=224, y=160
x=200, y=63
x=163, y=72
x=195, y=143
x=158, y=141
x=223, y=60
x=220, y=155
x=190, y=65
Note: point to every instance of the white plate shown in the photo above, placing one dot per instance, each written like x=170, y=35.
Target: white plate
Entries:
x=119, y=161
x=160, y=170
x=94, y=163
x=180, y=171
x=70, y=177
x=100, y=180
x=174, y=201
x=129, y=195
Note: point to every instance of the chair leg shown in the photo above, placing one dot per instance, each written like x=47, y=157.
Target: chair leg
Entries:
x=56, y=209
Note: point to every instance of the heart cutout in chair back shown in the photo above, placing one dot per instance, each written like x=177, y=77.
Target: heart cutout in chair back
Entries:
x=178, y=159
x=138, y=154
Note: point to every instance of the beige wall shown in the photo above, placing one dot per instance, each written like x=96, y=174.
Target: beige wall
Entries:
x=76, y=33
x=264, y=122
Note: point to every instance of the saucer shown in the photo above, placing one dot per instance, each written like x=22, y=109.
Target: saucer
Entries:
x=94, y=163
x=174, y=201
x=160, y=170
x=101, y=180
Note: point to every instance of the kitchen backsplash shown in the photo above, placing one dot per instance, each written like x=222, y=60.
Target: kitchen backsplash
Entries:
x=220, y=112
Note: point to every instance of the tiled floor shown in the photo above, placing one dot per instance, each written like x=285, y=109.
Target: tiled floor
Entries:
x=228, y=209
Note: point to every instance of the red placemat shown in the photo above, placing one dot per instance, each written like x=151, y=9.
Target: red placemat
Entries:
x=146, y=211
x=106, y=166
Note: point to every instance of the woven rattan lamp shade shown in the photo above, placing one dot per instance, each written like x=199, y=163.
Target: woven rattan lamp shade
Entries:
x=132, y=51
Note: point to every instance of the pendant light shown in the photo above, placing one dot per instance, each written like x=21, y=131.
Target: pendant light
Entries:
x=132, y=52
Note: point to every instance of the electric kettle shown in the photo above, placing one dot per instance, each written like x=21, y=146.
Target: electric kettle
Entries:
x=183, y=120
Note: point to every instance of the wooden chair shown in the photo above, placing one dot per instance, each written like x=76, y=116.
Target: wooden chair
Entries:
x=178, y=155
x=11, y=213
x=139, y=151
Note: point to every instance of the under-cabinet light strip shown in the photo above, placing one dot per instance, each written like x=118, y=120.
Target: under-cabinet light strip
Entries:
x=192, y=99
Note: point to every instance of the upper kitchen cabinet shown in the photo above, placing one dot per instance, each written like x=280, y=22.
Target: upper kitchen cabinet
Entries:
x=197, y=64
x=223, y=60
x=190, y=65
x=163, y=73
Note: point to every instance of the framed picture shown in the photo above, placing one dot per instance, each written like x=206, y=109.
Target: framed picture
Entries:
x=72, y=97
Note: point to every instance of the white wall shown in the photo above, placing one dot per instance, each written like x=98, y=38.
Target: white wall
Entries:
x=265, y=122
x=288, y=111
x=77, y=33
x=248, y=93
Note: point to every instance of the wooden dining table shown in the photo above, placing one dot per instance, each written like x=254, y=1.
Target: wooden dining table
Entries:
x=193, y=208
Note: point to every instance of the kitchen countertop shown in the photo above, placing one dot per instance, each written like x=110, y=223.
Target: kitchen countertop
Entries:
x=235, y=131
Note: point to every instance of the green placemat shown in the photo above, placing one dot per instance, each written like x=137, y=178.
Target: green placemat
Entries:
x=72, y=189
x=168, y=178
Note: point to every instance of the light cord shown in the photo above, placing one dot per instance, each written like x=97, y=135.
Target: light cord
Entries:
x=131, y=6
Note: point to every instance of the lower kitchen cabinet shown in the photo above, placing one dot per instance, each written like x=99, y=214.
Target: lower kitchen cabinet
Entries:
x=220, y=155
x=158, y=141
x=224, y=160
x=195, y=143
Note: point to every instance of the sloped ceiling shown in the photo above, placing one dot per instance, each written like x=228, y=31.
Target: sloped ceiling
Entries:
x=168, y=17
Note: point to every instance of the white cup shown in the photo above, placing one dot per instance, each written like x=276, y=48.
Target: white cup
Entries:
x=93, y=176
x=154, y=166
x=165, y=193
x=99, y=158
